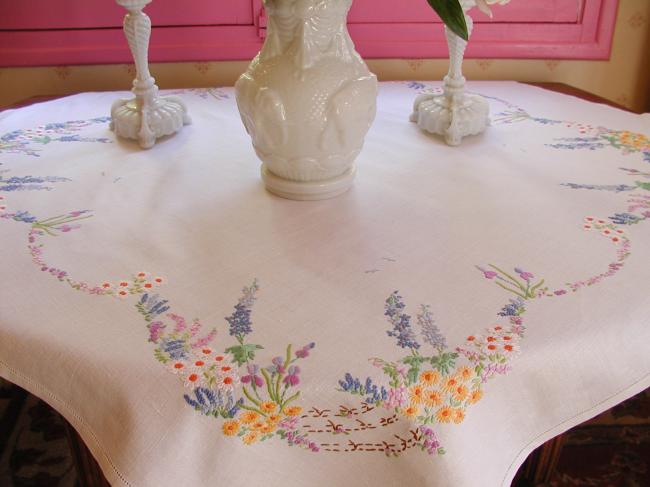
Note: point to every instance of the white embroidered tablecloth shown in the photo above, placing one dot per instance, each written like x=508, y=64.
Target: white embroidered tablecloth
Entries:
x=454, y=310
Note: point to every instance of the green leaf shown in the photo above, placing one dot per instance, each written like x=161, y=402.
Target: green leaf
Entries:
x=413, y=374
x=451, y=13
x=161, y=356
x=643, y=185
x=391, y=372
x=414, y=361
x=243, y=353
x=444, y=362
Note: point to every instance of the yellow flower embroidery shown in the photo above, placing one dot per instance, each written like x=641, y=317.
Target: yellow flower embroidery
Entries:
x=465, y=373
x=475, y=396
x=251, y=437
x=416, y=394
x=293, y=411
x=411, y=411
x=268, y=406
x=458, y=415
x=444, y=414
x=460, y=393
x=432, y=398
x=450, y=383
x=268, y=428
x=230, y=428
x=274, y=418
x=429, y=377
x=249, y=417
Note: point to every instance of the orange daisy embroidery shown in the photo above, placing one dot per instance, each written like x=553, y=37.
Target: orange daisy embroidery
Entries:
x=460, y=393
x=274, y=418
x=411, y=411
x=444, y=415
x=475, y=396
x=450, y=383
x=465, y=373
x=416, y=394
x=432, y=398
x=230, y=428
x=251, y=437
x=293, y=411
x=429, y=377
x=458, y=415
x=268, y=406
x=249, y=417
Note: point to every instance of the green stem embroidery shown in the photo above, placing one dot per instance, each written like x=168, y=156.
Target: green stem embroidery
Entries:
x=510, y=290
x=290, y=399
x=269, y=382
x=512, y=279
x=535, y=288
x=250, y=398
x=250, y=408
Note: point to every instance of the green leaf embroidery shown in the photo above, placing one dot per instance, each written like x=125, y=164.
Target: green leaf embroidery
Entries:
x=643, y=185
x=161, y=356
x=444, y=362
x=243, y=353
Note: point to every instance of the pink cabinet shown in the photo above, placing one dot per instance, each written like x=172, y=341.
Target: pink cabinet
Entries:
x=49, y=32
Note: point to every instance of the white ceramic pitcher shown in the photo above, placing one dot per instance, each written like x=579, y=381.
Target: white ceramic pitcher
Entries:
x=307, y=99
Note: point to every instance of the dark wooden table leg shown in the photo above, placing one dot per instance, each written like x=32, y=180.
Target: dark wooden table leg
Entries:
x=540, y=465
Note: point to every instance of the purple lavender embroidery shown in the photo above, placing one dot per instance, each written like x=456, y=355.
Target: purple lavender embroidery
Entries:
x=401, y=322
x=240, y=319
x=430, y=332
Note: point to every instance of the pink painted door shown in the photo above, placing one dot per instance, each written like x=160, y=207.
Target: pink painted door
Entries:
x=547, y=29
x=51, y=32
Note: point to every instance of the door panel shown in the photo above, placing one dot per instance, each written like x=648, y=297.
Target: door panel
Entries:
x=536, y=11
x=87, y=14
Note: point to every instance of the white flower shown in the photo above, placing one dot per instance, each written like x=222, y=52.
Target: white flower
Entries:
x=484, y=5
x=178, y=367
x=192, y=379
x=227, y=382
x=122, y=293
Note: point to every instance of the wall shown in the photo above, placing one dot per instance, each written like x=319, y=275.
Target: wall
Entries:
x=625, y=78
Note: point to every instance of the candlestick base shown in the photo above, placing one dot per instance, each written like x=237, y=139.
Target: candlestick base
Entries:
x=146, y=120
x=453, y=117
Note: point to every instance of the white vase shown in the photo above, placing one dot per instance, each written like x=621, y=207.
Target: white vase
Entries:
x=307, y=99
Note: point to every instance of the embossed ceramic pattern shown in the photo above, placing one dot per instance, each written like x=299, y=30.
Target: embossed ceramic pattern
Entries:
x=133, y=4
x=307, y=99
x=147, y=116
x=454, y=114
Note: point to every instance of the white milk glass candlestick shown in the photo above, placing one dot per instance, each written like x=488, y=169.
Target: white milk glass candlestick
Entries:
x=147, y=116
x=454, y=114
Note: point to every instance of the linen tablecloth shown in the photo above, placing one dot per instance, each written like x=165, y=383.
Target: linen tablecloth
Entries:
x=451, y=312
